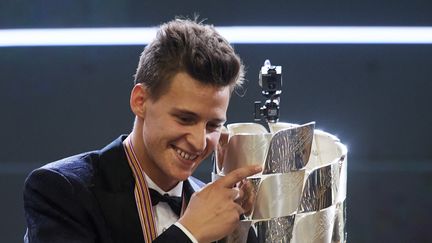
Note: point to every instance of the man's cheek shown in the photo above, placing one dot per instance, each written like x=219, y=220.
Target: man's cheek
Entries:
x=213, y=140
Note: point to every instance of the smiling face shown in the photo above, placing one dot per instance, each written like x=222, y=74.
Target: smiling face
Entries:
x=175, y=132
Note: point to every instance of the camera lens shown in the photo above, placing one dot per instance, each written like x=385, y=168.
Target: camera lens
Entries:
x=272, y=86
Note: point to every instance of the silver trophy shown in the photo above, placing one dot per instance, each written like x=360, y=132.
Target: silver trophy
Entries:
x=300, y=194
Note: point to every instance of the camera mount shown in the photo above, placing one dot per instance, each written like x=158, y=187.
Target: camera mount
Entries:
x=270, y=80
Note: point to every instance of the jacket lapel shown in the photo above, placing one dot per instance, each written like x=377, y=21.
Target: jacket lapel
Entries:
x=114, y=190
x=190, y=186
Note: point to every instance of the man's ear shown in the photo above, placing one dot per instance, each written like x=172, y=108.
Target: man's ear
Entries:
x=138, y=98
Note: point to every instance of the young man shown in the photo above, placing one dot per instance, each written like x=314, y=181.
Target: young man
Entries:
x=183, y=84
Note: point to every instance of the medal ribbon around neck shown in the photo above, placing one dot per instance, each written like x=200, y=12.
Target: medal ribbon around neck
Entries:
x=142, y=195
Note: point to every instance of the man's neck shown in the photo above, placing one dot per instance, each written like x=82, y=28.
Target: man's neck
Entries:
x=160, y=180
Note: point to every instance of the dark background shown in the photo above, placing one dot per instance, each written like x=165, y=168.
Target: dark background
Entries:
x=58, y=101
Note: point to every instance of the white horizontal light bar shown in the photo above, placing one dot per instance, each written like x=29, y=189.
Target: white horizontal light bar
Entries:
x=76, y=36
x=234, y=34
x=330, y=35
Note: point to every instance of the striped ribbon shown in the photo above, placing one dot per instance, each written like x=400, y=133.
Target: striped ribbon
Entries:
x=142, y=195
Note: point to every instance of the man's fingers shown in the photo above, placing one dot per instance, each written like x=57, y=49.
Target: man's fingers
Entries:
x=239, y=209
x=237, y=194
x=239, y=174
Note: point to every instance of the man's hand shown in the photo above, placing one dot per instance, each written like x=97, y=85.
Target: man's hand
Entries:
x=213, y=212
x=247, y=199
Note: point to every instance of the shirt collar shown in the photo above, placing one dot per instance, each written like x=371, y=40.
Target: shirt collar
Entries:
x=176, y=191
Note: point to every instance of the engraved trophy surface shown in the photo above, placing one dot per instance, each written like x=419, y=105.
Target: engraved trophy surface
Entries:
x=299, y=197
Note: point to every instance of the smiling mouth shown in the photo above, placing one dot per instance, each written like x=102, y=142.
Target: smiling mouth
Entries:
x=185, y=155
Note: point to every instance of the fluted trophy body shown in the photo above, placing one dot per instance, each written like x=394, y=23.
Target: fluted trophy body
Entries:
x=300, y=194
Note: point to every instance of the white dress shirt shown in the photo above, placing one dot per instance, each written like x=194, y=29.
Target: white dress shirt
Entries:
x=164, y=215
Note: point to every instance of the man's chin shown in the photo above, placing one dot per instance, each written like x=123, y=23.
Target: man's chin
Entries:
x=182, y=175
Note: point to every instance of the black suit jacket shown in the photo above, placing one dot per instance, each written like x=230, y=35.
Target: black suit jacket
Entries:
x=89, y=198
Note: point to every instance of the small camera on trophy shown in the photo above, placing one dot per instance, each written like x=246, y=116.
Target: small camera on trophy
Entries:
x=270, y=80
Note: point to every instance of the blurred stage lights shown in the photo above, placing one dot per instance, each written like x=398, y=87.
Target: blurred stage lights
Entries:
x=234, y=34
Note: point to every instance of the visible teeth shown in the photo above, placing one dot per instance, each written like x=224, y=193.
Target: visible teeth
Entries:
x=185, y=155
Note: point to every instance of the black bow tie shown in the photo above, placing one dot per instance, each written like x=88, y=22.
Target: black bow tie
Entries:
x=173, y=202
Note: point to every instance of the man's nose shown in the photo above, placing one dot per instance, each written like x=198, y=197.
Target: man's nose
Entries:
x=198, y=138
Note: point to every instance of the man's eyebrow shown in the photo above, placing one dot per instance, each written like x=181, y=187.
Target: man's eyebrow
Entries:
x=179, y=111
x=219, y=120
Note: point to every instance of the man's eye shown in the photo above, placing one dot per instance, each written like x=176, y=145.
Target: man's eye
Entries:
x=214, y=126
x=185, y=120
